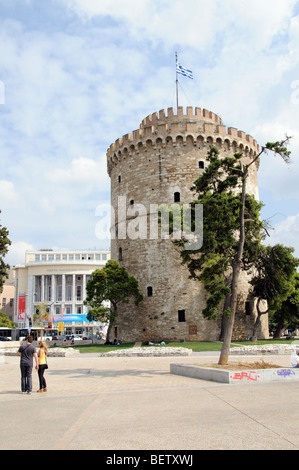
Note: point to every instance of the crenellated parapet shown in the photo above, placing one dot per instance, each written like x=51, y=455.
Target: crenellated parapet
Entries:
x=197, y=127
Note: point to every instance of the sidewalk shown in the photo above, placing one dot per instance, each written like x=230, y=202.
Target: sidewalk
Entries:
x=134, y=403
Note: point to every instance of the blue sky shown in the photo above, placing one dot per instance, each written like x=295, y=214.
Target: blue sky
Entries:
x=78, y=74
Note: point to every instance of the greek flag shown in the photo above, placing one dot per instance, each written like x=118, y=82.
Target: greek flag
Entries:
x=180, y=69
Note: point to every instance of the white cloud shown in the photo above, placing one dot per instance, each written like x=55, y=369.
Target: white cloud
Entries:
x=8, y=193
x=286, y=232
x=197, y=23
x=83, y=171
x=74, y=86
x=16, y=253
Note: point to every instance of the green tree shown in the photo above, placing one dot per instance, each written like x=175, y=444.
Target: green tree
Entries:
x=5, y=322
x=276, y=281
x=4, y=244
x=41, y=315
x=232, y=232
x=287, y=316
x=108, y=288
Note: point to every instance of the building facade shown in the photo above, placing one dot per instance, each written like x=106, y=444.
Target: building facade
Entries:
x=7, y=296
x=57, y=278
x=157, y=164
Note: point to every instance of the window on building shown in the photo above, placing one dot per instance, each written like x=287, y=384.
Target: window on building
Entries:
x=177, y=197
x=49, y=291
x=104, y=257
x=51, y=258
x=3, y=302
x=201, y=165
x=120, y=254
x=248, y=308
x=68, y=310
x=78, y=292
x=37, y=257
x=59, y=293
x=119, y=178
x=98, y=257
x=181, y=316
x=10, y=302
x=58, y=257
x=69, y=291
x=149, y=291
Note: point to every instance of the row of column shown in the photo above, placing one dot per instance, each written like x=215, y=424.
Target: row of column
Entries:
x=56, y=299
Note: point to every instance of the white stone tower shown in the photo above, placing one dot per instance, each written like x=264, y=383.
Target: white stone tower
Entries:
x=158, y=164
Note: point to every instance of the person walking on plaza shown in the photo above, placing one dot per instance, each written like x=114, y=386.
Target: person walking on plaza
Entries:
x=27, y=352
x=42, y=366
x=295, y=359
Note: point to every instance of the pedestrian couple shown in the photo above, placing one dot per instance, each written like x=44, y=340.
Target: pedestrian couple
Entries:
x=27, y=352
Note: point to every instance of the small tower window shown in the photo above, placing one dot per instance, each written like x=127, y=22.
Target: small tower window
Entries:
x=181, y=316
x=177, y=197
x=119, y=178
x=149, y=291
x=201, y=165
x=120, y=254
x=248, y=308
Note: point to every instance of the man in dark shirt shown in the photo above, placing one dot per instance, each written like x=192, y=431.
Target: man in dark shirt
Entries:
x=27, y=352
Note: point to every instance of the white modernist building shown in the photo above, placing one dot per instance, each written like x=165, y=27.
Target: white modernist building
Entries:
x=57, y=278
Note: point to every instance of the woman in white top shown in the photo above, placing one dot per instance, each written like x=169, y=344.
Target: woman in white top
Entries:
x=295, y=359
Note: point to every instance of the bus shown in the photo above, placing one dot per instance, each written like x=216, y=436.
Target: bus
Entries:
x=5, y=333
x=46, y=334
x=20, y=334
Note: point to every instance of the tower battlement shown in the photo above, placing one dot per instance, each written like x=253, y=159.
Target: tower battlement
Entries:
x=194, y=123
x=196, y=114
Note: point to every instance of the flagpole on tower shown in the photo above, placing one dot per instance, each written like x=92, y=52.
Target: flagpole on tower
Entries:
x=176, y=81
x=183, y=71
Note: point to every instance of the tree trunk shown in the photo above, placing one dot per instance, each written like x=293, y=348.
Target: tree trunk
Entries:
x=224, y=319
x=279, y=328
x=108, y=333
x=223, y=359
x=230, y=323
x=113, y=315
x=256, y=326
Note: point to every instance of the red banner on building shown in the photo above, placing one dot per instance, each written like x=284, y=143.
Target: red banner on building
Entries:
x=22, y=307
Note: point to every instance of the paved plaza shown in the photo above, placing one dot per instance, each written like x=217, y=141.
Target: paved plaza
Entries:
x=134, y=403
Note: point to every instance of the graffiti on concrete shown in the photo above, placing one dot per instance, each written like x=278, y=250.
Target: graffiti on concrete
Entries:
x=250, y=375
x=285, y=372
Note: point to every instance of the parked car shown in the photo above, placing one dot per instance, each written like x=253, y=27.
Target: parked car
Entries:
x=76, y=338
x=73, y=337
